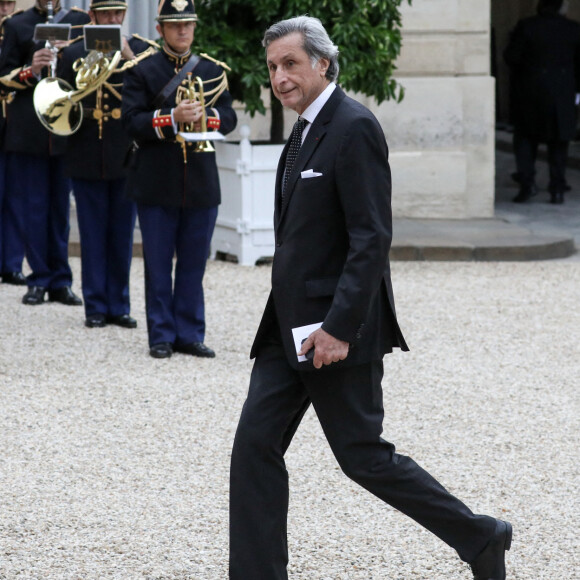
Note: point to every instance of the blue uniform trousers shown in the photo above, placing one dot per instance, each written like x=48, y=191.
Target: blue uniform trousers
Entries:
x=106, y=223
x=47, y=205
x=11, y=221
x=175, y=308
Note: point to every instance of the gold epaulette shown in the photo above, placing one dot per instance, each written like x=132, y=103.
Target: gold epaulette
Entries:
x=8, y=80
x=76, y=9
x=11, y=15
x=218, y=62
x=3, y=20
x=147, y=40
x=135, y=61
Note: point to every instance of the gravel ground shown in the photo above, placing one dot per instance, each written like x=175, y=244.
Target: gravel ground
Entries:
x=114, y=465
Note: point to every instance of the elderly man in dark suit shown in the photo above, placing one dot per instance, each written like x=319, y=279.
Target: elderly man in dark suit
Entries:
x=331, y=270
x=544, y=57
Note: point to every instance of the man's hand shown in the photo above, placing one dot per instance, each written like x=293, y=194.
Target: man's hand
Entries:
x=327, y=349
x=126, y=51
x=45, y=56
x=40, y=59
x=189, y=112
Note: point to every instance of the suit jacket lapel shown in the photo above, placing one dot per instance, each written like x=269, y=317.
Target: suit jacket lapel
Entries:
x=311, y=142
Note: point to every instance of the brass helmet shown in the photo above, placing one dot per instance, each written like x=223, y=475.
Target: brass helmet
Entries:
x=176, y=11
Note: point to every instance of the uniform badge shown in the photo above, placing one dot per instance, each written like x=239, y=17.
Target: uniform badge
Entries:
x=179, y=5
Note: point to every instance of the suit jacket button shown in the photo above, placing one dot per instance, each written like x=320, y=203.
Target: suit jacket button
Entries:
x=278, y=244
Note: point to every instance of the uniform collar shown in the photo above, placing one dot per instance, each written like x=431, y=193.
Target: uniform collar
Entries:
x=178, y=59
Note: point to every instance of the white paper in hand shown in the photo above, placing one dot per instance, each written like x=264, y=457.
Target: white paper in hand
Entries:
x=300, y=333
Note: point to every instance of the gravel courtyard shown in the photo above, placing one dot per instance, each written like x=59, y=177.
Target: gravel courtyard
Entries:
x=114, y=465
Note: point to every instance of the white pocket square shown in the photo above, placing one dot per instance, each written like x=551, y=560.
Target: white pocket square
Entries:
x=309, y=173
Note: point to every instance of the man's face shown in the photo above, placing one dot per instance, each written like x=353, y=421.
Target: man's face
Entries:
x=107, y=16
x=43, y=3
x=295, y=82
x=6, y=8
x=178, y=35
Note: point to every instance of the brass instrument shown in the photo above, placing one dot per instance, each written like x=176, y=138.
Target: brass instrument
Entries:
x=102, y=113
x=194, y=90
x=49, y=44
x=58, y=106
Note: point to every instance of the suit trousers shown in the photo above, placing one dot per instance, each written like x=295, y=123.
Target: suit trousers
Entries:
x=106, y=224
x=12, y=242
x=526, y=152
x=175, y=308
x=349, y=405
x=47, y=207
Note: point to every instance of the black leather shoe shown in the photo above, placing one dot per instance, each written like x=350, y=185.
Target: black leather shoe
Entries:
x=95, y=321
x=123, y=320
x=14, y=278
x=161, y=350
x=34, y=296
x=196, y=349
x=525, y=194
x=65, y=296
x=490, y=564
x=516, y=177
x=557, y=198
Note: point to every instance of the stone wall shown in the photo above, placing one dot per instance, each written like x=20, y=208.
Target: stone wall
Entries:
x=442, y=134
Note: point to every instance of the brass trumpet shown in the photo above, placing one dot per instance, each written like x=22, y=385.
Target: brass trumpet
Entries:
x=193, y=90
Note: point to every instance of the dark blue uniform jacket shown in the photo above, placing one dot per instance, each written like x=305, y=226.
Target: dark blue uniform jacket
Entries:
x=158, y=173
x=88, y=156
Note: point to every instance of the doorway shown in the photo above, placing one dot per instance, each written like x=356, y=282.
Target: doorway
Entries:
x=504, y=17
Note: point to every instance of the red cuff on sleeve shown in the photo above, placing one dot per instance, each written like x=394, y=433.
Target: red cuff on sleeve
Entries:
x=213, y=123
x=25, y=74
x=162, y=121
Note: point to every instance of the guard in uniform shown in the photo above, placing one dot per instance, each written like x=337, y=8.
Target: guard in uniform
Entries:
x=94, y=160
x=36, y=161
x=176, y=187
x=11, y=204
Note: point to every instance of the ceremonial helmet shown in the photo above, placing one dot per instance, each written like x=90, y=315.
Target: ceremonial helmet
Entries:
x=108, y=5
x=176, y=11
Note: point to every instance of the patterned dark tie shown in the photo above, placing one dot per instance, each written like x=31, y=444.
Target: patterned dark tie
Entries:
x=295, y=143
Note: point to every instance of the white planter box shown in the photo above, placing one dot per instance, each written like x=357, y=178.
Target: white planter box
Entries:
x=244, y=227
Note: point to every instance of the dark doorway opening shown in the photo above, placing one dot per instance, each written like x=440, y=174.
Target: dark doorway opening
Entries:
x=504, y=16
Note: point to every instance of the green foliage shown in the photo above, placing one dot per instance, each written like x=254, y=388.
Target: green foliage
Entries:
x=367, y=33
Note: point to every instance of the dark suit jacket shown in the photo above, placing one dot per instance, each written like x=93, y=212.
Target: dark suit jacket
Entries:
x=544, y=57
x=24, y=132
x=333, y=235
